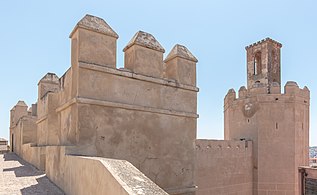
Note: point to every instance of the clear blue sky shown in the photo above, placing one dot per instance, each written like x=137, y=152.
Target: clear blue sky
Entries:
x=34, y=40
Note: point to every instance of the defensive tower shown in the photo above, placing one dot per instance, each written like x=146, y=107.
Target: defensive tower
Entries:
x=277, y=123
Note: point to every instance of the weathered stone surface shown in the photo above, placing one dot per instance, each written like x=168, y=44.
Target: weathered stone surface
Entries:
x=224, y=167
x=50, y=77
x=182, y=52
x=180, y=65
x=95, y=24
x=93, y=41
x=21, y=103
x=263, y=63
x=146, y=40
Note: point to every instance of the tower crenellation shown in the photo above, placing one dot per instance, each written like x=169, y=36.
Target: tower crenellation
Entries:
x=290, y=89
x=93, y=41
x=144, y=55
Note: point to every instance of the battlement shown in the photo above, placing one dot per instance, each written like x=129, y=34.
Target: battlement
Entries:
x=223, y=166
x=259, y=93
x=266, y=40
x=21, y=110
x=290, y=88
x=94, y=42
x=49, y=78
x=95, y=24
x=205, y=145
x=49, y=83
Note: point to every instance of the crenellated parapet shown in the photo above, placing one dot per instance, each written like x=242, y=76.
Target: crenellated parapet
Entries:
x=204, y=145
x=22, y=126
x=224, y=166
x=259, y=92
x=101, y=110
x=181, y=65
x=264, y=41
x=21, y=110
x=291, y=88
x=17, y=112
x=49, y=83
x=94, y=43
x=144, y=55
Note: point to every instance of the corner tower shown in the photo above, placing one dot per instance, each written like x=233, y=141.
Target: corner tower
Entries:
x=277, y=123
x=264, y=63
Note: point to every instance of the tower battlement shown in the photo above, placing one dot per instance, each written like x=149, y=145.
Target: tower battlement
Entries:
x=264, y=41
x=292, y=93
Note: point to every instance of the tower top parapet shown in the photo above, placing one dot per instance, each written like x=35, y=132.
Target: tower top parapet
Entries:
x=264, y=41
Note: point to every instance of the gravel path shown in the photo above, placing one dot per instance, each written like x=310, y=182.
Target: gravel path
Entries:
x=19, y=177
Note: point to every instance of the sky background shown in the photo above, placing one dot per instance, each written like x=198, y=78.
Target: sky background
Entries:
x=34, y=40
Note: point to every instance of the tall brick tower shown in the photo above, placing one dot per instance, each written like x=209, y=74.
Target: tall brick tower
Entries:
x=277, y=123
x=263, y=63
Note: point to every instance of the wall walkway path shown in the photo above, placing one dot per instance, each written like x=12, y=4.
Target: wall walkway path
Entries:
x=20, y=177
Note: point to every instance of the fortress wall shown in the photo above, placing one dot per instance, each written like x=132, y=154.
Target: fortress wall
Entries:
x=65, y=81
x=28, y=131
x=137, y=113
x=278, y=125
x=159, y=145
x=17, y=142
x=102, y=83
x=145, y=113
x=224, y=167
x=94, y=175
x=68, y=124
x=34, y=154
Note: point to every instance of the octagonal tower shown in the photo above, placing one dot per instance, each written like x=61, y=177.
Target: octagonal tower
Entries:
x=277, y=123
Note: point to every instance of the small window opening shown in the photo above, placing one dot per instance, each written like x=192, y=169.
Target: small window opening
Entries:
x=276, y=98
x=248, y=120
x=257, y=64
x=276, y=125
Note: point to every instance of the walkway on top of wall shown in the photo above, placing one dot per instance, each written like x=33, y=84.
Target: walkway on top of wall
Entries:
x=19, y=177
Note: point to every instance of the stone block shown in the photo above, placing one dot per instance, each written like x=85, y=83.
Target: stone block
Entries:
x=181, y=65
x=144, y=55
x=94, y=41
